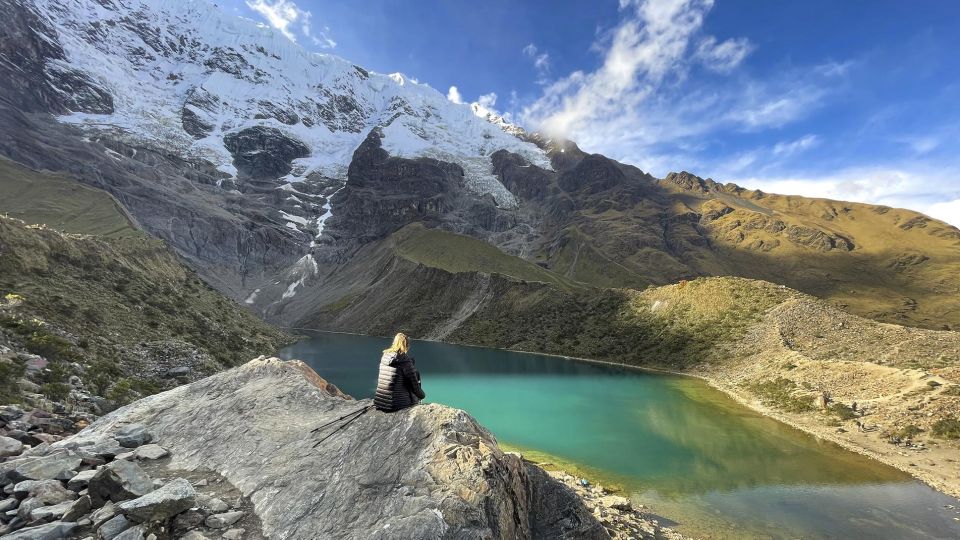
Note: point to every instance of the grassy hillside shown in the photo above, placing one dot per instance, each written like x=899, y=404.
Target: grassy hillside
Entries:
x=458, y=253
x=60, y=202
x=97, y=298
x=117, y=311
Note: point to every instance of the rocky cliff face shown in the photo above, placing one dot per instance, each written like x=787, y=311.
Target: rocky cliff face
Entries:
x=426, y=472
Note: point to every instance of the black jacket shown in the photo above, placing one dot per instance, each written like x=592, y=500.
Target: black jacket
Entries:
x=398, y=384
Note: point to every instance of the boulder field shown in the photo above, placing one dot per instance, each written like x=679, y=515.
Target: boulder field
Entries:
x=239, y=454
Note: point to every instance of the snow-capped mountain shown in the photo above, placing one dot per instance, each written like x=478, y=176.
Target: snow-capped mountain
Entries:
x=189, y=78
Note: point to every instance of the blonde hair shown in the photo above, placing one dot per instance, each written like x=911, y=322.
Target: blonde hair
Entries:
x=401, y=344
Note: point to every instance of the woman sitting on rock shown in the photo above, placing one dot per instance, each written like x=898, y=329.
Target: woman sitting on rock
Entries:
x=398, y=385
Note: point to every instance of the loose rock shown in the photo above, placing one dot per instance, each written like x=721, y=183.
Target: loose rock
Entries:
x=10, y=447
x=220, y=521
x=113, y=527
x=48, y=467
x=150, y=451
x=51, y=531
x=133, y=435
x=171, y=499
x=78, y=509
x=81, y=480
x=133, y=533
x=119, y=481
x=233, y=534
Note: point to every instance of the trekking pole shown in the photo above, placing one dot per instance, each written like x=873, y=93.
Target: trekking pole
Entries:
x=335, y=420
x=357, y=414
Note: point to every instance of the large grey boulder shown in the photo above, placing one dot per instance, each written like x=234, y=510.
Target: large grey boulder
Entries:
x=113, y=527
x=57, y=530
x=132, y=436
x=118, y=481
x=56, y=465
x=46, y=491
x=10, y=447
x=169, y=500
x=426, y=472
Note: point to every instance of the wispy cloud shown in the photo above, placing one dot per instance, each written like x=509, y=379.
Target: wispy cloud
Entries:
x=788, y=148
x=722, y=57
x=641, y=98
x=285, y=16
x=541, y=60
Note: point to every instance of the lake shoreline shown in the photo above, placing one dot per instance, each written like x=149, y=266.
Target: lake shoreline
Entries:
x=869, y=448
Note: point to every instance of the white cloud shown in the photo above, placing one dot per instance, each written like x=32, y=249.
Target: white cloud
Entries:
x=285, y=15
x=541, y=60
x=932, y=192
x=788, y=148
x=650, y=47
x=453, y=94
x=948, y=211
x=722, y=57
x=487, y=101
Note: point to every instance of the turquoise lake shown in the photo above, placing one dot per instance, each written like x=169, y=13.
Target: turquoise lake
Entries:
x=709, y=466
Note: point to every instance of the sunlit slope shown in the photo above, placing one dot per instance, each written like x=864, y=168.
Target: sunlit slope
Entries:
x=628, y=229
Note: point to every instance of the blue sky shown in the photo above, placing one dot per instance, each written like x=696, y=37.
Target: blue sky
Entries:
x=855, y=100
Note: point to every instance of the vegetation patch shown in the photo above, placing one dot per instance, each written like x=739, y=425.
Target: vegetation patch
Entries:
x=841, y=411
x=946, y=428
x=780, y=393
x=101, y=304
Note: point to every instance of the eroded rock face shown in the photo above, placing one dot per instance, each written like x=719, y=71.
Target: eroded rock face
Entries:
x=426, y=472
x=384, y=193
x=264, y=152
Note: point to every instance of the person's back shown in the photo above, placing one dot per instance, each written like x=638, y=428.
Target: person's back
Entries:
x=398, y=382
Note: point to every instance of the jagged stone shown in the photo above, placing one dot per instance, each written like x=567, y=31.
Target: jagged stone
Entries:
x=10, y=447
x=119, y=481
x=174, y=497
x=27, y=506
x=194, y=535
x=55, y=511
x=132, y=436
x=78, y=508
x=7, y=504
x=104, y=514
x=233, y=534
x=81, y=479
x=58, y=530
x=150, y=451
x=47, y=467
x=133, y=533
x=212, y=503
x=113, y=527
x=46, y=491
x=226, y=519
x=190, y=519
x=464, y=484
x=617, y=502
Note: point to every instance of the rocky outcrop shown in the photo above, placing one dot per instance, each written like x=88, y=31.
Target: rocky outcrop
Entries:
x=36, y=75
x=384, y=193
x=426, y=472
x=264, y=152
